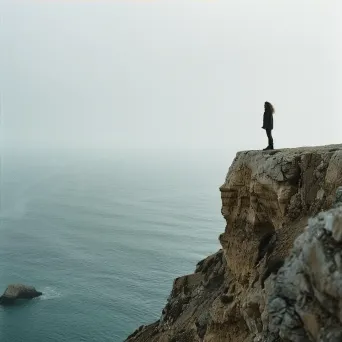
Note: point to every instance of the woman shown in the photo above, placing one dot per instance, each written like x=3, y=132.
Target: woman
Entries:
x=268, y=124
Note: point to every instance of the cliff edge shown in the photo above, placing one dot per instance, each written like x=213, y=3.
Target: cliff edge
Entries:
x=278, y=276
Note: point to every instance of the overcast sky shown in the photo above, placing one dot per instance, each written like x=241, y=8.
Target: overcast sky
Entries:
x=170, y=74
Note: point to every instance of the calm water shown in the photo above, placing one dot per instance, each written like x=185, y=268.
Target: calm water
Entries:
x=103, y=235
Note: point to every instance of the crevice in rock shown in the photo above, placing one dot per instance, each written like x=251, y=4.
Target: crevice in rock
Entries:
x=272, y=266
x=266, y=241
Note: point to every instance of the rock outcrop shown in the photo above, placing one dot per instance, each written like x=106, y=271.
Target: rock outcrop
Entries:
x=259, y=287
x=305, y=297
x=18, y=291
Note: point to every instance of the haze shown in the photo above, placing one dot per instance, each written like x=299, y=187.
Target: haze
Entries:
x=169, y=74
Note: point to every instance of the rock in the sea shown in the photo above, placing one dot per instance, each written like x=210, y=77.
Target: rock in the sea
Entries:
x=18, y=291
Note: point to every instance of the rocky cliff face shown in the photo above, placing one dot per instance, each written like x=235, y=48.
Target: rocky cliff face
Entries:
x=259, y=287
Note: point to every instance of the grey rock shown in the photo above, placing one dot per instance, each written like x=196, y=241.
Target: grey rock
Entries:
x=18, y=291
x=338, y=195
x=306, y=301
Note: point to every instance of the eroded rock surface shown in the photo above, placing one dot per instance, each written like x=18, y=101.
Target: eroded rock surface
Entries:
x=256, y=288
x=185, y=316
x=307, y=291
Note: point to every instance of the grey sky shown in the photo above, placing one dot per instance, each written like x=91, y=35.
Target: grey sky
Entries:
x=169, y=73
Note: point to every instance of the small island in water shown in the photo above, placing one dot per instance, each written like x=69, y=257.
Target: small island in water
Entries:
x=18, y=291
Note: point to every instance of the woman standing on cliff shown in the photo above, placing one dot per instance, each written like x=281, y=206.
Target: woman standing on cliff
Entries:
x=268, y=124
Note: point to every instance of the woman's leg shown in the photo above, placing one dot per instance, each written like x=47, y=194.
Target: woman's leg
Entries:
x=270, y=138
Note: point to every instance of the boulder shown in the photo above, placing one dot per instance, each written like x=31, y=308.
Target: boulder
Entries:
x=18, y=291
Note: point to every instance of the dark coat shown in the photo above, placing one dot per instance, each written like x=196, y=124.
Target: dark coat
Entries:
x=268, y=120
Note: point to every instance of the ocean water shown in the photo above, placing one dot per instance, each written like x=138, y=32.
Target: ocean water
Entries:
x=102, y=234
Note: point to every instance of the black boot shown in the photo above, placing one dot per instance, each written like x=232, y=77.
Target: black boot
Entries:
x=269, y=147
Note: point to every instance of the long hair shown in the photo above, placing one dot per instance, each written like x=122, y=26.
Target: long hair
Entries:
x=269, y=107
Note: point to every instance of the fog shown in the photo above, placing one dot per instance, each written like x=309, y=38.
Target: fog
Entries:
x=169, y=74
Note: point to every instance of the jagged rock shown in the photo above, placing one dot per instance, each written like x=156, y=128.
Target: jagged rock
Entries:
x=257, y=288
x=264, y=192
x=308, y=288
x=186, y=315
x=18, y=291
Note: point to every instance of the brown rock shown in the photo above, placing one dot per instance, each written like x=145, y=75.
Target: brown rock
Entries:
x=257, y=288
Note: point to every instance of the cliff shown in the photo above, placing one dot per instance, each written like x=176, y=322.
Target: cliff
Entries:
x=278, y=276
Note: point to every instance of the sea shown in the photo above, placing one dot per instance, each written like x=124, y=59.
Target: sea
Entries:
x=102, y=233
